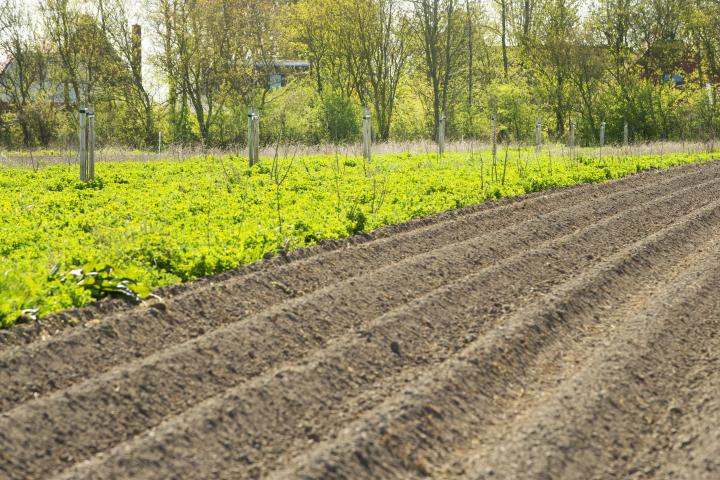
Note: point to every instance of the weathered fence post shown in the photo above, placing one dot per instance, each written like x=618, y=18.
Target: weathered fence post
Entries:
x=159, y=141
x=493, y=119
x=538, y=136
x=82, y=153
x=256, y=136
x=711, y=94
x=367, y=134
x=602, y=134
x=86, y=147
x=441, y=134
x=250, y=136
x=253, y=137
x=91, y=143
x=571, y=141
x=626, y=134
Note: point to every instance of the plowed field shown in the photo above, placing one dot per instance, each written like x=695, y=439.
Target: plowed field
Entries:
x=566, y=334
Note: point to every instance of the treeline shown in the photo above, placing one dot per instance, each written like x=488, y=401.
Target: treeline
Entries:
x=653, y=64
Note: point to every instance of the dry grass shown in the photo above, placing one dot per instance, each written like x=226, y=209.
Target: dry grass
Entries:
x=38, y=158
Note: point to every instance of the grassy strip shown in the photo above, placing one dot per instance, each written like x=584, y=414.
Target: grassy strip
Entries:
x=143, y=225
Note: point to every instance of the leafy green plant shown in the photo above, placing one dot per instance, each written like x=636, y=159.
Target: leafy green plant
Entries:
x=102, y=282
x=161, y=223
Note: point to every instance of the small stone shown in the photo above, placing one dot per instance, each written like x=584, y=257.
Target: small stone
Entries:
x=159, y=306
x=395, y=347
x=675, y=410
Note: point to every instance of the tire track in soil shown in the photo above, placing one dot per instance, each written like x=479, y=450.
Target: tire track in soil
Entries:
x=391, y=355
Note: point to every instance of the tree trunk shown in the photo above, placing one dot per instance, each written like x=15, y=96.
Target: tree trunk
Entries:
x=470, y=56
x=503, y=27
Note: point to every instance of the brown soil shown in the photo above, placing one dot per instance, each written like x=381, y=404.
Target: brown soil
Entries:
x=568, y=334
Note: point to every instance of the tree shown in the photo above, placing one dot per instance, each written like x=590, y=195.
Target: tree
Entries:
x=307, y=26
x=503, y=10
x=215, y=51
x=358, y=47
x=440, y=45
x=377, y=55
x=547, y=51
x=126, y=42
x=589, y=65
x=88, y=63
x=26, y=72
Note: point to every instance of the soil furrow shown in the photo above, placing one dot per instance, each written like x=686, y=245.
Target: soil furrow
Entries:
x=317, y=266
x=689, y=448
x=564, y=359
x=631, y=395
x=127, y=408
x=350, y=364
x=412, y=434
x=39, y=369
x=565, y=334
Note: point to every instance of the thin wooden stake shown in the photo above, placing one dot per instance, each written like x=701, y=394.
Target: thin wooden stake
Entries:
x=493, y=119
x=571, y=142
x=367, y=134
x=626, y=134
x=253, y=137
x=82, y=145
x=91, y=144
x=256, y=136
x=441, y=134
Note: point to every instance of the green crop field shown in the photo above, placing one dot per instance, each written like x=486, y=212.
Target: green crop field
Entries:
x=64, y=243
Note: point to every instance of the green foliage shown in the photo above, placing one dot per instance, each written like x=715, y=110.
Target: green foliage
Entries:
x=411, y=120
x=286, y=114
x=339, y=117
x=515, y=109
x=144, y=225
x=101, y=283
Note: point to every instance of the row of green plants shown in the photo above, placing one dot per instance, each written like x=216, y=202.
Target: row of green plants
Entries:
x=139, y=226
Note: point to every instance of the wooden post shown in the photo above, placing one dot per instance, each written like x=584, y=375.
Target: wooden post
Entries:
x=711, y=94
x=441, y=134
x=159, y=141
x=91, y=144
x=602, y=134
x=256, y=136
x=538, y=136
x=82, y=146
x=571, y=141
x=626, y=134
x=250, y=136
x=253, y=137
x=493, y=119
x=367, y=134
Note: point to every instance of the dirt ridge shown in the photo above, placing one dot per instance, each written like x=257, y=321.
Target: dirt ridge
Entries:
x=432, y=349
x=139, y=333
